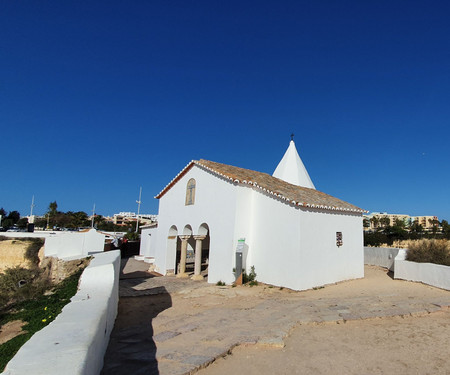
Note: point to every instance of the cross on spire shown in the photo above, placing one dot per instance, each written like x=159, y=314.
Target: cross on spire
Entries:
x=292, y=136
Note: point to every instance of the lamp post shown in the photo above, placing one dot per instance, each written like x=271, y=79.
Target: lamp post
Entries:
x=139, y=207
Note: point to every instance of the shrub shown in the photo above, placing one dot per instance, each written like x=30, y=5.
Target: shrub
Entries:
x=18, y=284
x=220, y=283
x=429, y=251
x=132, y=236
x=251, y=277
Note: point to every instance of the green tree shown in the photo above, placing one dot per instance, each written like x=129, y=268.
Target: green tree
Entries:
x=53, y=208
x=98, y=220
x=40, y=222
x=78, y=219
x=14, y=216
x=22, y=223
x=385, y=221
x=399, y=223
x=416, y=227
x=435, y=225
x=445, y=228
x=375, y=221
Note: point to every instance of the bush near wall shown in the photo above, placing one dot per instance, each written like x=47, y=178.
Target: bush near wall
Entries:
x=387, y=237
x=429, y=251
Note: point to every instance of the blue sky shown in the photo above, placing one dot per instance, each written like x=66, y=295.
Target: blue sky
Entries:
x=98, y=98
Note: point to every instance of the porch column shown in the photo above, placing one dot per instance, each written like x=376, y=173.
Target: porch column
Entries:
x=184, y=243
x=198, y=258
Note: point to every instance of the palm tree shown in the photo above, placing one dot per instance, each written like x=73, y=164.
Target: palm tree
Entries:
x=375, y=221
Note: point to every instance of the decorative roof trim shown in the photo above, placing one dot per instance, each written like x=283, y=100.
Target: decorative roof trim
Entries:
x=255, y=185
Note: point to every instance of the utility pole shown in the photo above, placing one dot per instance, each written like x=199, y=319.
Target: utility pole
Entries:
x=30, y=226
x=139, y=207
x=32, y=206
x=92, y=219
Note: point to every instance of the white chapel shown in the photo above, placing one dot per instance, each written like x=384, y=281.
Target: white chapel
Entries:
x=294, y=235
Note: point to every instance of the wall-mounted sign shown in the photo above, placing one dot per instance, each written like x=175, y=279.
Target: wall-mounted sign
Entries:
x=240, y=245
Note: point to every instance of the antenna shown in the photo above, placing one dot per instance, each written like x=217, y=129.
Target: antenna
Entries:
x=139, y=207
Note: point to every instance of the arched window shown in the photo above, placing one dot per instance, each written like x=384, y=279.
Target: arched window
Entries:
x=190, y=192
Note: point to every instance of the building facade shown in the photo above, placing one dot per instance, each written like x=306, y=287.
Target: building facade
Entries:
x=294, y=236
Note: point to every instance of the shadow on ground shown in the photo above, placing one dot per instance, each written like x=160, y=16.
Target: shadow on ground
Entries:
x=131, y=347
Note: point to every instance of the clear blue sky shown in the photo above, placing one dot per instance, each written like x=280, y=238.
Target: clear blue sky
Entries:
x=98, y=98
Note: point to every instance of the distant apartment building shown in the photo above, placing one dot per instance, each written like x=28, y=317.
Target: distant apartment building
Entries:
x=124, y=218
x=379, y=220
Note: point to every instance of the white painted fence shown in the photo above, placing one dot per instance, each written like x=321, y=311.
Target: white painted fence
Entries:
x=76, y=341
x=427, y=273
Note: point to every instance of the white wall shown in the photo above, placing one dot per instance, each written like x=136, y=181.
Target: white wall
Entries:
x=427, y=273
x=148, y=241
x=274, y=243
x=321, y=260
x=380, y=256
x=296, y=247
x=71, y=245
x=215, y=205
x=76, y=341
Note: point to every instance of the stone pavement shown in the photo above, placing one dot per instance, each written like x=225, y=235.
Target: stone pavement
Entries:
x=197, y=322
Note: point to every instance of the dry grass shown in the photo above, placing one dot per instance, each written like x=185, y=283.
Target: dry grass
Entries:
x=429, y=251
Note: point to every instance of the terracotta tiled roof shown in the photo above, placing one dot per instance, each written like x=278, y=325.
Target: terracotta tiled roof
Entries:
x=295, y=195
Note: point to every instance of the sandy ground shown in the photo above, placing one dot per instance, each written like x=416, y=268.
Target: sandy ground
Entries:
x=417, y=342
x=411, y=345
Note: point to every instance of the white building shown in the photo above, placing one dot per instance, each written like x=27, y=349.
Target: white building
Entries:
x=295, y=236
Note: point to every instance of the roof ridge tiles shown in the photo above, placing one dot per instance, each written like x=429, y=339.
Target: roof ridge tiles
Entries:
x=284, y=191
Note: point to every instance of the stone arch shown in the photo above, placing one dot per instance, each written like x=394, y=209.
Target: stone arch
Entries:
x=203, y=234
x=173, y=230
x=203, y=229
x=187, y=230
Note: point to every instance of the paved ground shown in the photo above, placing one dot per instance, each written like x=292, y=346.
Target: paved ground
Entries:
x=172, y=326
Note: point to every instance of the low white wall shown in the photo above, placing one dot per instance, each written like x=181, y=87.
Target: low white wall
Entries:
x=380, y=256
x=427, y=273
x=77, y=244
x=76, y=341
x=148, y=241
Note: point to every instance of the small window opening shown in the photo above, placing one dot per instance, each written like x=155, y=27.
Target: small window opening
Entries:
x=190, y=192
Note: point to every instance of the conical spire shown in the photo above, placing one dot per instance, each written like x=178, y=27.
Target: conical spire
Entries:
x=291, y=168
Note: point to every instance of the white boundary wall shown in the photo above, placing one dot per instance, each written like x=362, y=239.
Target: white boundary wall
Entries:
x=70, y=245
x=76, y=341
x=380, y=256
x=427, y=273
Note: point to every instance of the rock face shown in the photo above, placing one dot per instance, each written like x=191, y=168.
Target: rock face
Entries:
x=12, y=254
